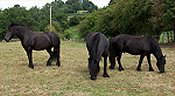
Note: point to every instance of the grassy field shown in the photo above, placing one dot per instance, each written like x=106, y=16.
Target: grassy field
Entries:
x=72, y=78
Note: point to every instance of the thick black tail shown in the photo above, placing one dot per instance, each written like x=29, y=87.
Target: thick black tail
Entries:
x=56, y=52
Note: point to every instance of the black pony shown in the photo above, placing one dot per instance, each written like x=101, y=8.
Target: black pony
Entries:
x=136, y=45
x=35, y=41
x=97, y=46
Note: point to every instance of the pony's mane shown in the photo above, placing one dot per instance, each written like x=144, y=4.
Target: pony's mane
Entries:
x=134, y=36
x=95, y=42
x=17, y=24
x=156, y=48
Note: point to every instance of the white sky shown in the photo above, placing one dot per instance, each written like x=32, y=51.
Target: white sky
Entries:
x=39, y=3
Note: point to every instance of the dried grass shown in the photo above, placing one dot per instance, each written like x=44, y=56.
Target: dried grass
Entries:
x=72, y=78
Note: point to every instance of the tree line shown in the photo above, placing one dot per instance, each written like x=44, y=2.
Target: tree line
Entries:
x=135, y=17
x=64, y=16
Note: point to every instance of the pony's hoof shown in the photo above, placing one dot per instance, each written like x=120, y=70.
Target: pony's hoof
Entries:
x=121, y=69
x=48, y=64
x=112, y=68
x=58, y=64
x=138, y=69
x=151, y=69
x=106, y=75
x=93, y=78
x=31, y=66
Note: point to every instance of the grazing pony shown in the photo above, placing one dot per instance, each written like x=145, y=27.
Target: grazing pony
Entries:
x=35, y=41
x=97, y=45
x=136, y=45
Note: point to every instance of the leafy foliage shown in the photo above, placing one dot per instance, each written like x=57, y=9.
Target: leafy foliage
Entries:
x=75, y=5
x=137, y=17
x=38, y=19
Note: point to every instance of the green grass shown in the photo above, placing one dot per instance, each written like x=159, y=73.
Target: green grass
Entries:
x=72, y=78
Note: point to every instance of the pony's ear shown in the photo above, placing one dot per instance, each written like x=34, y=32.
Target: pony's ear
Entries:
x=12, y=23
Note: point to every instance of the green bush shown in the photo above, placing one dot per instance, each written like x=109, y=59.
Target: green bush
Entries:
x=136, y=17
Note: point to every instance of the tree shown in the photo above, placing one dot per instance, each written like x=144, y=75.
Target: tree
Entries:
x=169, y=15
x=137, y=17
x=87, y=25
x=38, y=19
x=74, y=21
x=15, y=14
x=74, y=5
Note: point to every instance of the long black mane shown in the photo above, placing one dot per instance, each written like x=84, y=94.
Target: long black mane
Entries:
x=157, y=52
x=20, y=25
x=94, y=49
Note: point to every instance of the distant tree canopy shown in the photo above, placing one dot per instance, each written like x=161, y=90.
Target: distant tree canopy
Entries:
x=38, y=19
x=137, y=17
x=75, y=5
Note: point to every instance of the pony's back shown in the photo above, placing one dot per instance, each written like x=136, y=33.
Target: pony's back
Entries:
x=96, y=43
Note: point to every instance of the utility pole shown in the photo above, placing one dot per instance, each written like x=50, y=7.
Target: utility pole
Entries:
x=50, y=18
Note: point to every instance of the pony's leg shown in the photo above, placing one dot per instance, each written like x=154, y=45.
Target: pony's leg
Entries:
x=29, y=54
x=50, y=58
x=112, y=61
x=149, y=62
x=120, y=65
x=140, y=62
x=112, y=55
x=105, y=74
x=57, y=52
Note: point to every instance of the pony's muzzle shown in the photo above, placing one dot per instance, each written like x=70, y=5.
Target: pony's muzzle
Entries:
x=93, y=77
x=162, y=71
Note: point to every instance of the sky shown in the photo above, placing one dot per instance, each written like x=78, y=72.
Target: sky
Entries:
x=39, y=3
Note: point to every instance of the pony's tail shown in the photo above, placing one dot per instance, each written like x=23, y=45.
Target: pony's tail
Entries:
x=57, y=52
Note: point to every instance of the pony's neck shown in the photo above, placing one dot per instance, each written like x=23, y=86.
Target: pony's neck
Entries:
x=22, y=32
x=157, y=52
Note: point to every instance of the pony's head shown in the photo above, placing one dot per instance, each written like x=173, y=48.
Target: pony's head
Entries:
x=10, y=33
x=161, y=64
x=94, y=68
